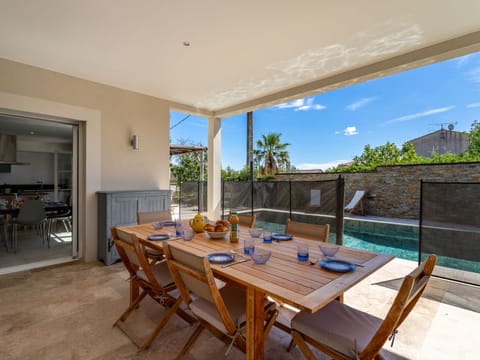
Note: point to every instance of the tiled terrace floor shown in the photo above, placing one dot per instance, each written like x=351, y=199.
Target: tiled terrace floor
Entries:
x=66, y=313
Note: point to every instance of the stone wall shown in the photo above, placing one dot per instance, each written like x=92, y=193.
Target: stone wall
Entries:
x=394, y=191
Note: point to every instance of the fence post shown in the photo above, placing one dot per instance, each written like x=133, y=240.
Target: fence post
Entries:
x=290, y=199
x=223, y=199
x=340, y=207
x=198, y=196
x=180, y=201
x=420, y=223
x=251, y=190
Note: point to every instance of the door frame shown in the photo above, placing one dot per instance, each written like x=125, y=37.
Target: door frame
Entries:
x=89, y=169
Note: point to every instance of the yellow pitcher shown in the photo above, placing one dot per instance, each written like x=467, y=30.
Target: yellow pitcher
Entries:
x=197, y=223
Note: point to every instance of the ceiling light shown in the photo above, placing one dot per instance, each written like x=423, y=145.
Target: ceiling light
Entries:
x=32, y=132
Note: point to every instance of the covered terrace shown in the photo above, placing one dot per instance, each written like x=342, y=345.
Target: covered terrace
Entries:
x=116, y=69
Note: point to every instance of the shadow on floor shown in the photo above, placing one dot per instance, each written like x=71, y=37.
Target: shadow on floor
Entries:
x=461, y=295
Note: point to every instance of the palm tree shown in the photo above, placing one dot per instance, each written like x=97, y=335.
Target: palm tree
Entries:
x=270, y=154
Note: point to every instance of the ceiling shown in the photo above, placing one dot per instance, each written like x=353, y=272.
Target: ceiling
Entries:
x=35, y=129
x=242, y=54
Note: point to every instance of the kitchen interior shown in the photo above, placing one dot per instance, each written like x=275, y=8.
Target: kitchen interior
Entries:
x=36, y=158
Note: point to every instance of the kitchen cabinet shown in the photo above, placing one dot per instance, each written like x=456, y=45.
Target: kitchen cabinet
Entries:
x=116, y=208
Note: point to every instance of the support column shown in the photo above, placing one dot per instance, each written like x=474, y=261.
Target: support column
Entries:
x=249, y=139
x=214, y=185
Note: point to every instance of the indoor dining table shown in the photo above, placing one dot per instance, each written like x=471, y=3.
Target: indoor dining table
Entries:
x=302, y=284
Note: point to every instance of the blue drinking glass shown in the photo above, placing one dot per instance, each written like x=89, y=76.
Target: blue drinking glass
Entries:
x=267, y=237
x=302, y=252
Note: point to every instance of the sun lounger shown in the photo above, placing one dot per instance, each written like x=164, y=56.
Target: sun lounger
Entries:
x=355, y=206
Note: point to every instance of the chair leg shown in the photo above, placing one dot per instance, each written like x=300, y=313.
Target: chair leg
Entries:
x=270, y=321
x=291, y=345
x=66, y=225
x=14, y=238
x=44, y=233
x=4, y=235
x=191, y=340
x=148, y=341
x=49, y=229
x=298, y=339
x=120, y=323
x=131, y=307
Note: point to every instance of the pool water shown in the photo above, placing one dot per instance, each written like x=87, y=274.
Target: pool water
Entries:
x=402, y=248
x=398, y=244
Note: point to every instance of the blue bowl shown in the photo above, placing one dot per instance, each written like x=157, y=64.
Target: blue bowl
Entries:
x=260, y=256
x=255, y=232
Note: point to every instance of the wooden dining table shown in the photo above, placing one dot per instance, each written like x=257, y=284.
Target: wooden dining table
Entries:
x=302, y=284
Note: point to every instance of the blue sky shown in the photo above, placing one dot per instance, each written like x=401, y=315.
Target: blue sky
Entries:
x=333, y=127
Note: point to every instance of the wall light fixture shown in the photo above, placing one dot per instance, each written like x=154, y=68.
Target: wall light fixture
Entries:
x=135, y=142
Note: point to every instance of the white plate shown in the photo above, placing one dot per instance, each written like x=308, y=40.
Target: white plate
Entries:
x=217, y=235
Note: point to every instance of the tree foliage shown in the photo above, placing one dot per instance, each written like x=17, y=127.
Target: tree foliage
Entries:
x=474, y=136
x=390, y=154
x=186, y=167
x=229, y=174
x=271, y=155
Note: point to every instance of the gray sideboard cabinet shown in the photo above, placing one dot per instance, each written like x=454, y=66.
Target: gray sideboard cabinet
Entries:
x=116, y=208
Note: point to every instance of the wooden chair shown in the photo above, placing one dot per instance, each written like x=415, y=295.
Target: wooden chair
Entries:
x=145, y=217
x=153, y=280
x=343, y=332
x=221, y=311
x=247, y=220
x=310, y=231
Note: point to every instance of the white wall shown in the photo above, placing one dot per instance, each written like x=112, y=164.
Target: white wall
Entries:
x=107, y=117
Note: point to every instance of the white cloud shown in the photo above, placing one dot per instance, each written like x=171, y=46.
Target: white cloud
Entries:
x=475, y=75
x=321, y=166
x=360, y=103
x=290, y=104
x=463, y=60
x=419, y=115
x=473, y=105
x=350, y=130
x=301, y=105
x=337, y=132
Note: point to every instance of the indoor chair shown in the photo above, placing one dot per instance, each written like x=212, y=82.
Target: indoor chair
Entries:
x=64, y=217
x=31, y=213
x=343, y=332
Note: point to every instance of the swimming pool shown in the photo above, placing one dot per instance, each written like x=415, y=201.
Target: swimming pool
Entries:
x=398, y=240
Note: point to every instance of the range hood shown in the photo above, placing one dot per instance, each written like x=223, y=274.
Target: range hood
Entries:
x=8, y=150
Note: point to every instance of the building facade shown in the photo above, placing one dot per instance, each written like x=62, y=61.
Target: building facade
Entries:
x=441, y=142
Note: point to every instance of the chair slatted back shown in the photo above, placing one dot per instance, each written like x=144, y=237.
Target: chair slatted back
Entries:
x=311, y=231
x=409, y=293
x=133, y=254
x=247, y=220
x=193, y=274
x=145, y=217
x=126, y=249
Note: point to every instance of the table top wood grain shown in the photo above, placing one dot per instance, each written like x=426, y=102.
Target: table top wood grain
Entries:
x=298, y=283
